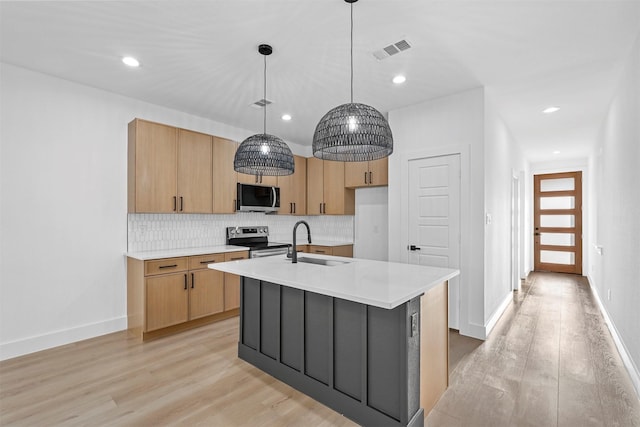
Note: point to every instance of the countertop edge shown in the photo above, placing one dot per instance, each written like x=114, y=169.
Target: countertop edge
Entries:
x=233, y=268
x=176, y=253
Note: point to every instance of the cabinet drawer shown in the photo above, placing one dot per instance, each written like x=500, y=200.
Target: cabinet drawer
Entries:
x=198, y=262
x=325, y=250
x=233, y=256
x=167, y=265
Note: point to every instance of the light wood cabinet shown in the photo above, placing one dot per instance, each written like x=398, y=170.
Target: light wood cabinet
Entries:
x=232, y=282
x=342, y=250
x=326, y=193
x=293, y=189
x=167, y=300
x=270, y=181
x=195, y=172
x=170, y=169
x=224, y=176
x=173, y=294
x=152, y=167
x=367, y=174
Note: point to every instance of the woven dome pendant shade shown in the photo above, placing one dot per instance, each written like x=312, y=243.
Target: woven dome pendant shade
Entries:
x=352, y=132
x=264, y=154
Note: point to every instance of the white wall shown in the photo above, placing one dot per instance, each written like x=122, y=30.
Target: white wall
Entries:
x=504, y=159
x=615, y=222
x=371, y=223
x=448, y=125
x=64, y=206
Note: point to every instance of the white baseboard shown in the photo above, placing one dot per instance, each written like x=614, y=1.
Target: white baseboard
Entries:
x=497, y=313
x=632, y=369
x=24, y=346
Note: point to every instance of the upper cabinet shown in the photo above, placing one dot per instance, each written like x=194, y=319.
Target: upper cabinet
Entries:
x=326, y=192
x=169, y=169
x=367, y=174
x=293, y=189
x=270, y=181
x=195, y=177
x=224, y=176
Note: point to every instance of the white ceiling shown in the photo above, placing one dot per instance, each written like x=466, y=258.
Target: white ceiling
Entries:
x=201, y=57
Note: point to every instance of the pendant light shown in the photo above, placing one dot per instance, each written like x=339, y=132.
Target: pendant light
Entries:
x=352, y=132
x=264, y=154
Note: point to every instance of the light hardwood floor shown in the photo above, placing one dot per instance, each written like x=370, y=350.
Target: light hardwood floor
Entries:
x=550, y=361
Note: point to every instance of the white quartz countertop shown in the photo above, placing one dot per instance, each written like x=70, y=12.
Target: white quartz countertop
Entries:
x=319, y=242
x=172, y=253
x=378, y=283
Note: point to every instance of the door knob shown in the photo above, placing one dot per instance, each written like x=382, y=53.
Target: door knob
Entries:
x=413, y=248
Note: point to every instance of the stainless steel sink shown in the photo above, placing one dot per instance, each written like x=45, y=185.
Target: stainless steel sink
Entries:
x=319, y=261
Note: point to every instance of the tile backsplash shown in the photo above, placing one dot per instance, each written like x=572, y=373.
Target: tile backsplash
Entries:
x=149, y=232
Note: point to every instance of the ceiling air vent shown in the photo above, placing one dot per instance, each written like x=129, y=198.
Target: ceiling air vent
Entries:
x=392, y=49
x=261, y=103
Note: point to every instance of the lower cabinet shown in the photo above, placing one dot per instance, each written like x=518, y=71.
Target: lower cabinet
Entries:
x=173, y=294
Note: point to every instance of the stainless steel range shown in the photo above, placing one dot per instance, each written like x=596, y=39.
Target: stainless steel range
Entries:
x=256, y=238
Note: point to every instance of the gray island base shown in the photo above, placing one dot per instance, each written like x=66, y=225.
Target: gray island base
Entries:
x=361, y=360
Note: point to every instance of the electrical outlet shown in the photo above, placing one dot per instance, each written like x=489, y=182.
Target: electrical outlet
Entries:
x=608, y=294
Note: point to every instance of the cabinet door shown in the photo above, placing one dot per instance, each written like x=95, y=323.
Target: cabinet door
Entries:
x=224, y=177
x=293, y=189
x=315, y=186
x=334, y=192
x=167, y=301
x=195, y=178
x=232, y=282
x=299, y=187
x=356, y=174
x=155, y=167
x=206, y=293
x=379, y=172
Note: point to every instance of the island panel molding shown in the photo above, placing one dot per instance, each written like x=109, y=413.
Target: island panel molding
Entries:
x=360, y=360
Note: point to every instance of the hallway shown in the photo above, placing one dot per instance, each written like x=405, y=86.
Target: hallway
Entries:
x=550, y=361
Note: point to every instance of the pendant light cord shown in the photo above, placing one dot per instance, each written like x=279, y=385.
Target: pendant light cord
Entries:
x=264, y=119
x=351, y=52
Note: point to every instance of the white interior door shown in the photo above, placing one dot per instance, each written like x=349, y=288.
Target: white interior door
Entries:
x=434, y=219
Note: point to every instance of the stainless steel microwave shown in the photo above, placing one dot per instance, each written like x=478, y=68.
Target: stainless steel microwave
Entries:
x=257, y=198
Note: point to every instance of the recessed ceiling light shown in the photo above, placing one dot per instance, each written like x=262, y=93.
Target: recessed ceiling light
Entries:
x=131, y=61
x=399, y=79
x=286, y=117
x=556, y=152
x=550, y=110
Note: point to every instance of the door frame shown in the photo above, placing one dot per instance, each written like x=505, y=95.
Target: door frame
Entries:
x=539, y=170
x=466, y=328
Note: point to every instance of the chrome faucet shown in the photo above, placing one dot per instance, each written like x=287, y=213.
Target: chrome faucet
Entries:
x=294, y=249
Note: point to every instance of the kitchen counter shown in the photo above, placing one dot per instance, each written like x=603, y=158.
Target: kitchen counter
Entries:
x=172, y=253
x=377, y=283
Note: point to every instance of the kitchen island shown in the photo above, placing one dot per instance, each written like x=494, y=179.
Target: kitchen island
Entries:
x=367, y=338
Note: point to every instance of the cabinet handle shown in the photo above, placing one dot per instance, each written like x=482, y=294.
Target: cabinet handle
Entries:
x=290, y=207
x=168, y=266
x=294, y=207
x=370, y=178
x=208, y=262
x=175, y=201
x=365, y=177
x=181, y=204
x=193, y=281
x=185, y=282
x=318, y=251
x=235, y=258
x=324, y=208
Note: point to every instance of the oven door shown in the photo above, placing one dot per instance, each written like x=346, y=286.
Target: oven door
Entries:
x=260, y=253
